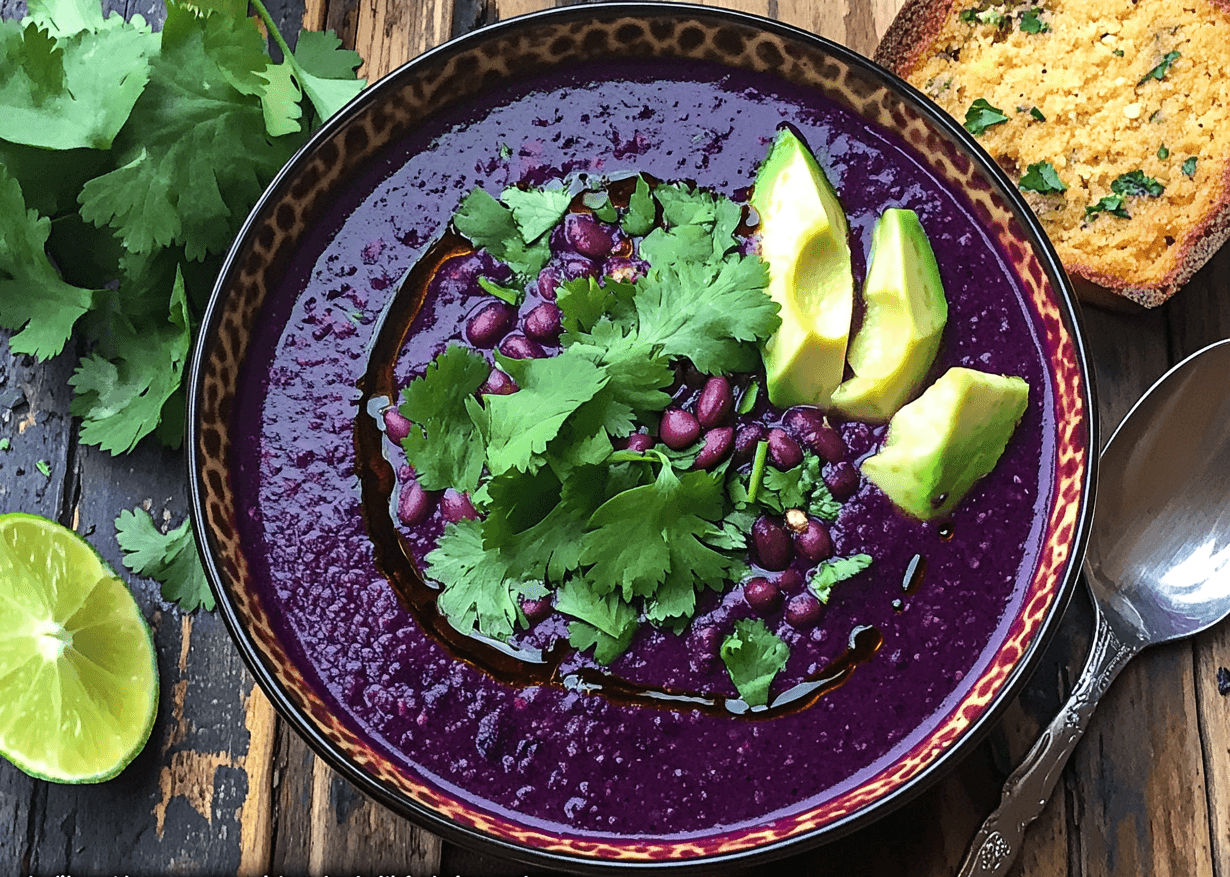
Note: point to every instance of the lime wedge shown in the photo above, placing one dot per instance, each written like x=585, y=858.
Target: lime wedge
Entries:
x=78, y=676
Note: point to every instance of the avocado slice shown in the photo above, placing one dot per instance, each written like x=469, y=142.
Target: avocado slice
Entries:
x=803, y=238
x=904, y=319
x=946, y=439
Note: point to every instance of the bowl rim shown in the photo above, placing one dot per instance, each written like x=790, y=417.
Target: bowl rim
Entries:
x=941, y=764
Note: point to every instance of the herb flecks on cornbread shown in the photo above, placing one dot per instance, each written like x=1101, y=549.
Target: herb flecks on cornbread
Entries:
x=1100, y=91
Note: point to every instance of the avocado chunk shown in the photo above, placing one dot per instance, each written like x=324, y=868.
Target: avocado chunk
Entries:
x=803, y=238
x=946, y=439
x=904, y=319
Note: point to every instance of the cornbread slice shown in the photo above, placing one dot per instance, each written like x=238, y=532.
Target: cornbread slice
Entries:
x=1110, y=114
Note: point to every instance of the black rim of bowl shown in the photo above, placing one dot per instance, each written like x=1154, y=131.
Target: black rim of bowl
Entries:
x=465, y=835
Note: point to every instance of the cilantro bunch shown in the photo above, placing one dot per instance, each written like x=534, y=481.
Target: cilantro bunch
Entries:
x=128, y=161
x=621, y=537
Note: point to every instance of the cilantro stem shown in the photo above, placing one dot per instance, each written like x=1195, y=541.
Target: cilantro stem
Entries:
x=753, y=484
x=273, y=30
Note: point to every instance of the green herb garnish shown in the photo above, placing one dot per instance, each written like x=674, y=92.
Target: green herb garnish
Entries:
x=1030, y=23
x=981, y=115
x=1112, y=204
x=1160, y=71
x=43, y=467
x=128, y=161
x=753, y=656
x=748, y=400
x=5, y=444
x=992, y=16
x=617, y=536
x=1163, y=153
x=169, y=558
x=1135, y=183
x=1117, y=52
x=505, y=293
x=1041, y=177
x=838, y=569
x=1037, y=114
x=1189, y=166
x=756, y=477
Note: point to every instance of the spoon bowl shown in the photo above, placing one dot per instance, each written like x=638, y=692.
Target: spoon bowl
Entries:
x=1159, y=550
x=1157, y=566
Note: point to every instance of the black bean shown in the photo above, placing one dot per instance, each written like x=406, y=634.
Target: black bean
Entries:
x=490, y=324
x=762, y=595
x=827, y=444
x=784, y=452
x=814, y=541
x=498, y=383
x=517, y=346
x=842, y=480
x=544, y=323
x=536, y=610
x=717, y=447
x=549, y=280
x=588, y=236
x=803, y=420
x=396, y=426
x=678, y=428
x=790, y=580
x=716, y=402
x=771, y=544
x=456, y=506
x=746, y=440
x=639, y=441
x=623, y=268
x=803, y=610
x=414, y=504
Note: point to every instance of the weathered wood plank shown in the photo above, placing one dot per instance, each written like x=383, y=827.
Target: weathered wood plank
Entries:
x=1199, y=316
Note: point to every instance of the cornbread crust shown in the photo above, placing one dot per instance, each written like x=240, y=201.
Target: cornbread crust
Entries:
x=1083, y=74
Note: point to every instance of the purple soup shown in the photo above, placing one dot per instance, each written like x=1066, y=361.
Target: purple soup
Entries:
x=570, y=745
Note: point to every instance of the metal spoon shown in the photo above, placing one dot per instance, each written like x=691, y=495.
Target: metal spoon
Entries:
x=1158, y=567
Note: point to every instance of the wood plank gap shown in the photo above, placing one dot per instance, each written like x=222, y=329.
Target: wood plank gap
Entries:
x=1216, y=843
x=314, y=14
x=38, y=807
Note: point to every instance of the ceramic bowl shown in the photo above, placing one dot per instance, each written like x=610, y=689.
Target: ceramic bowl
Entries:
x=264, y=284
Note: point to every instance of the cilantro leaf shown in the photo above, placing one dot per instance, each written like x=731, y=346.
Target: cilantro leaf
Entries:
x=753, y=656
x=446, y=450
x=609, y=613
x=171, y=558
x=1030, y=23
x=716, y=315
x=1189, y=166
x=33, y=297
x=519, y=425
x=1136, y=183
x=1036, y=113
x=1112, y=204
x=642, y=210
x=64, y=90
x=584, y=301
x=981, y=115
x=478, y=590
x=1159, y=72
x=838, y=569
x=195, y=155
x=1163, y=153
x=1041, y=177
x=122, y=388
x=504, y=293
x=488, y=223
x=607, y=648
x=536, y=211
x=640, y=534
x=992, y=16
x=553, y=545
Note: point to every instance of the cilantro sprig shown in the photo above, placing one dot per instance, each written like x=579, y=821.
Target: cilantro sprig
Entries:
x=1041, y=177
x=753, y=656
x=169, y=558
x=128, y=160
x=1159, y=72
x=619, y=538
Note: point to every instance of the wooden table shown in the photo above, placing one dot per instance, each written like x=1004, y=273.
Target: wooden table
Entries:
x=224, y=786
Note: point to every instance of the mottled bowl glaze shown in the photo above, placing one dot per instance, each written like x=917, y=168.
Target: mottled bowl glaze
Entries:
x=459, y=71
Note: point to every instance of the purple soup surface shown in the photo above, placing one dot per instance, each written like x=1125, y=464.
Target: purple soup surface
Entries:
x=580, y=762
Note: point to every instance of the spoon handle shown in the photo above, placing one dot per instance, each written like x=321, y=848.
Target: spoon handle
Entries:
x=997, y=843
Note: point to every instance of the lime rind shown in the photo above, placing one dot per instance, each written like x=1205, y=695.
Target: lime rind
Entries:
x=78, y=671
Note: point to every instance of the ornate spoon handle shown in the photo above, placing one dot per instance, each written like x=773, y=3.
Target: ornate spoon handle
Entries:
x=997, y=843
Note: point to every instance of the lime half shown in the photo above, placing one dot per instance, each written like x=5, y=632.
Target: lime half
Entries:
x=78, y=677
